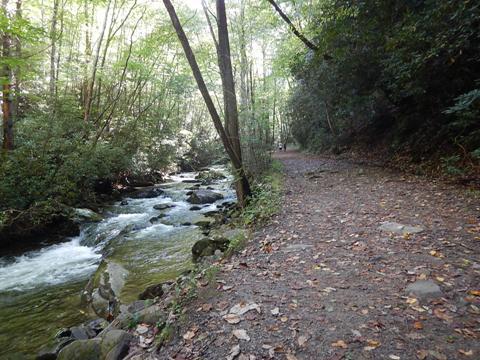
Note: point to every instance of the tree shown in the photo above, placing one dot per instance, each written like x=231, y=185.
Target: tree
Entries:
x=229, y=135
x=7, y=96
x=297, y=33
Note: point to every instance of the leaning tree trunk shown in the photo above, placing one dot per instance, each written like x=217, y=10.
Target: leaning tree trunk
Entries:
x=242, y=185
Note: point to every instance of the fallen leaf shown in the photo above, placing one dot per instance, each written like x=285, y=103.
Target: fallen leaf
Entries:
x=340, y=344
x=241, y=334
x=422, y=354
x=302, y=340
x=436, y=253
x=232, y=318
x=207, y=307
x=372, y=345
x=465, y=353
x=394, y=357
x=474, y=292
x=284, y=319
x=189, y=335
x=411, y=301
x=275, y=311
x=243, y=308
x=234, y=352
x=441, y=314
x=437, y=355
x=291, y=357
x=418, y=325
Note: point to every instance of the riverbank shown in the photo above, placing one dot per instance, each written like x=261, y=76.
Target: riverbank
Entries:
x=149, y=234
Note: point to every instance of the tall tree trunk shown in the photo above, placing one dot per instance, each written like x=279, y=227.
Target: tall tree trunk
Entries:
x=243, y=186
x=229, y=97
x=53, y=51
x=7, y=96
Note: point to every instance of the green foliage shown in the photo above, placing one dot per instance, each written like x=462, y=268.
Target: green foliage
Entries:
x=402, y=75
x=266, y=197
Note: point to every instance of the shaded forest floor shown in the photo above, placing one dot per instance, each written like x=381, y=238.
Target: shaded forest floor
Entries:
x=323, y=281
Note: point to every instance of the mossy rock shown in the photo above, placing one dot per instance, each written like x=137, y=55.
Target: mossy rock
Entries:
x=82, y=350
x=207, y=247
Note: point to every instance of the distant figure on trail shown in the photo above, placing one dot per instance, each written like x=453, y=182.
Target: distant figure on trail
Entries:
x=280, y=146
x=285, y=147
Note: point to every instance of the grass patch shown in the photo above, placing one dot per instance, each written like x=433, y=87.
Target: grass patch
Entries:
x=266, y=197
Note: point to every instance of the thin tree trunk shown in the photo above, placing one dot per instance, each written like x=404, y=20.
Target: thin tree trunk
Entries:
x=53, y=50
x=7, y=96
x=17, y=72
x=297, y=33
x=89, y=95
x=243, y=186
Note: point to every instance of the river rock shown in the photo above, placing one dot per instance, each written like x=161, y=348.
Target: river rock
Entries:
x=86, y=215
x=204, y=224
x=124, y=203
x=400, y=229
x=163, y=206
x=51, y=352
x=191, y=181
x=204, y=197
x=147, y=194
x=156, y=219
x=208, y=246
x=82, y=350
x=151, y=315
x=115, y=344
x=210, y=176
x=103, y=289
x=195, y=208
x=151, y=292
x=424, y=289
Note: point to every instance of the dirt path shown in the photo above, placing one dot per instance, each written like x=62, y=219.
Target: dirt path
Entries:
x=322, y=281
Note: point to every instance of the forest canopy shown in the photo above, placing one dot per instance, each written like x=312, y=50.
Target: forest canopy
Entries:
x=99, y=92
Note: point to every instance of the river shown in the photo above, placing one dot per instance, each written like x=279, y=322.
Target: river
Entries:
x=40, y=290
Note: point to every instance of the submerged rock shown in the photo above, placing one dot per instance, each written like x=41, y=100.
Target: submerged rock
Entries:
x=204, y=197
x=195, y=208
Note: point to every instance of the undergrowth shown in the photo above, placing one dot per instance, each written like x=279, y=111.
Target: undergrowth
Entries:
x=266, y=197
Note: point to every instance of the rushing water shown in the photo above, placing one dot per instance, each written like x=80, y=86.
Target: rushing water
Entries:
x=39, y=291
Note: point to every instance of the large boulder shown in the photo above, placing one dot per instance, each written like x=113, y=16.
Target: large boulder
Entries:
x=115, y=344
x=103, y=289
x=204, y=197
x=110, y=345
